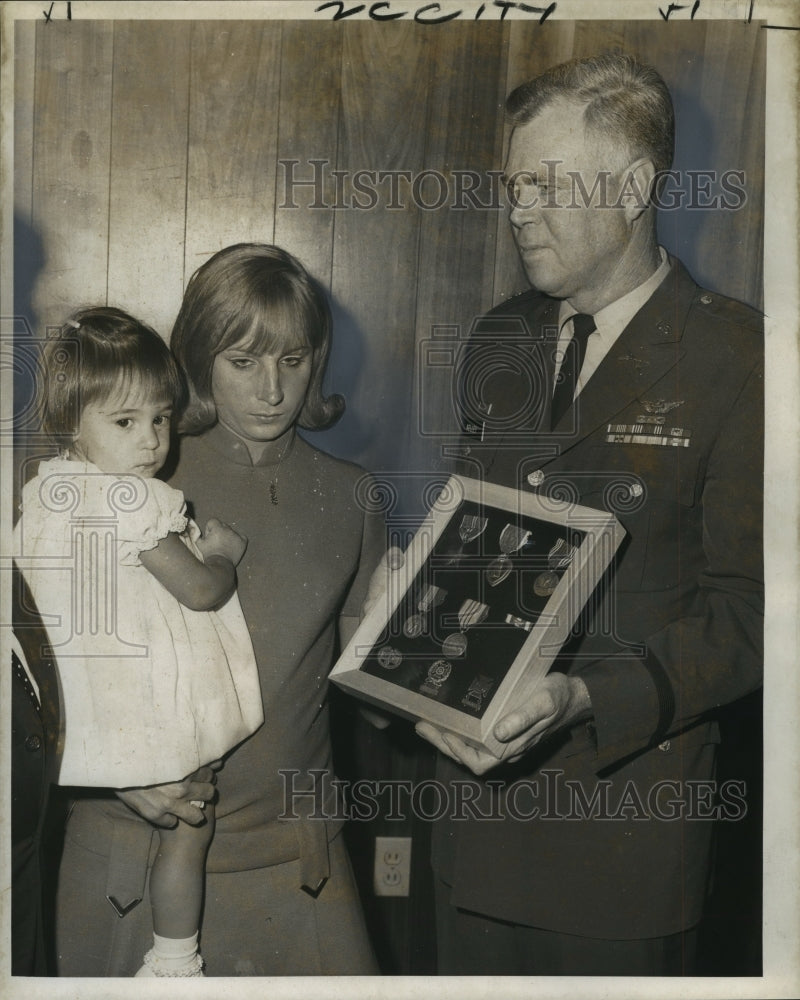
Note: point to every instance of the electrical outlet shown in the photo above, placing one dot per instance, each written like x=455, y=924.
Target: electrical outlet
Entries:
x=392, y=866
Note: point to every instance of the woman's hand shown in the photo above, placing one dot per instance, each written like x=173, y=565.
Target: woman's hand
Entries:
x=164, y=805
x=220, y=539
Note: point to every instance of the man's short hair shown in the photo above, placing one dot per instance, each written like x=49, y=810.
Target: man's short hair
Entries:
x=625, y=101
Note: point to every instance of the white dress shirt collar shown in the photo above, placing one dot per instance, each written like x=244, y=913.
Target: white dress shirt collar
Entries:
x=609, y=321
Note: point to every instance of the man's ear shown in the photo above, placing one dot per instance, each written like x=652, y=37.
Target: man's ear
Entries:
x=636, y=190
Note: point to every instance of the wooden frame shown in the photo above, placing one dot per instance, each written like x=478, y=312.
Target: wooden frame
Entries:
x=492, y=584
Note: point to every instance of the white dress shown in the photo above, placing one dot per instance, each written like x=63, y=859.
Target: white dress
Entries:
x=151, y=690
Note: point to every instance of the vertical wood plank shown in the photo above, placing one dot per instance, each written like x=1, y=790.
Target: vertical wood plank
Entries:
x=747, y=229
x=24, y=82
x=593, y=37
x=71, y=131
x=148, y=169
x=464, y=132
x=18, y=394
x=675, y=49
x=677, y=52
x=533, y=48
x=733, y=92
x=310, y=103
x=375, y=246
x=233, y=133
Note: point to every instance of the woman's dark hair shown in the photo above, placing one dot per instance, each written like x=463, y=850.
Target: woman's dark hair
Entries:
x=97, y=352
x=260, y=298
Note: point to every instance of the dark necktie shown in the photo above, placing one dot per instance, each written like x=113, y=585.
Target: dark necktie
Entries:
x=582, y=327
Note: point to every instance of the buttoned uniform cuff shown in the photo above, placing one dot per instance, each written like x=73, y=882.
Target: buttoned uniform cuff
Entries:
x=633, y=706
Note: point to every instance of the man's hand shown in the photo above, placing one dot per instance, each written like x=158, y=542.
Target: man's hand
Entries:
x=558, y=701
x=164, y=805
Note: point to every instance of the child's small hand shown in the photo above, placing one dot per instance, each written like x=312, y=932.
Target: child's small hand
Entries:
x=165, y=804
x=220, y=539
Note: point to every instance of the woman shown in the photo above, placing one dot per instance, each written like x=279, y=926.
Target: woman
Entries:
x=253, y=335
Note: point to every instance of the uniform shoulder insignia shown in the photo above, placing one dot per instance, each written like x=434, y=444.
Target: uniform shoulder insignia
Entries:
x=729, y=310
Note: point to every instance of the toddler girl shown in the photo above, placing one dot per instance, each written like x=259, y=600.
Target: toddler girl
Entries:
x=154, y=659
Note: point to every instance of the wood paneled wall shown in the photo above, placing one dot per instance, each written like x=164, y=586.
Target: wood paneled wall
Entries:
x=145, y=146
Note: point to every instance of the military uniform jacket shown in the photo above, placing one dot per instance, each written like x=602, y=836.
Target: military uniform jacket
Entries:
x=604, y=830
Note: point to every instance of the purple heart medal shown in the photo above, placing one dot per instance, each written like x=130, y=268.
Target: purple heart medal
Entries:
x=471, y=527
x=558, y=558
x=470, y=613
x=417, y=624
x=511, y=540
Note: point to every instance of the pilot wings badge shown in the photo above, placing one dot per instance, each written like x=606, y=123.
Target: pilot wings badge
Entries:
x=660, y=407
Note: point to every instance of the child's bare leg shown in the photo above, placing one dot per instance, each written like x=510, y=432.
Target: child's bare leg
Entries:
x=177, y=882
x=177, y=878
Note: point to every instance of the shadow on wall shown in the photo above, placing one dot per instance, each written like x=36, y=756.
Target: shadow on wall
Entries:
x=29, y=259
x=684, y=230
x=29, y=262
x=353, y=437
x=349, y=438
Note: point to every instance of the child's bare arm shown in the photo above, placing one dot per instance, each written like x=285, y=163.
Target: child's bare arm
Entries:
x=198, y=585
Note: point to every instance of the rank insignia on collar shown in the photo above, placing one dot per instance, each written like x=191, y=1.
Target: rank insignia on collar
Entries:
x=659, y=407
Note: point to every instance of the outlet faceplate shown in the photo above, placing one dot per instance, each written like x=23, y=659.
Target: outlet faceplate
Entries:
x=392, y=866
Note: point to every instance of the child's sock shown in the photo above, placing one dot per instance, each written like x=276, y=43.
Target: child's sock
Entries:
x=172, y=957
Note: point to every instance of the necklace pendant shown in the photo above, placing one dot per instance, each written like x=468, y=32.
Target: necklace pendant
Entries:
x=273, y=493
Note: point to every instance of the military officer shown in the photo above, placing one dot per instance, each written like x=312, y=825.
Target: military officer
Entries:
x=644, y=397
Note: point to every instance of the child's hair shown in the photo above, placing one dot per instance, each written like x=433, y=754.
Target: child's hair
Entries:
x=261, y=298
x=98, y=352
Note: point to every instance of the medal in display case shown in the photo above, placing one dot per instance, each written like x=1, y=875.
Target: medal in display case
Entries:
x=492, y=585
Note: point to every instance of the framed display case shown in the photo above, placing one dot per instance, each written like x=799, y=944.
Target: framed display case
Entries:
x=492, y=585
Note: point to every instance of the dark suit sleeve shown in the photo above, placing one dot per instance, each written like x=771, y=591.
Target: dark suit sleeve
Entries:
x=713, y=655
x=35, y=727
